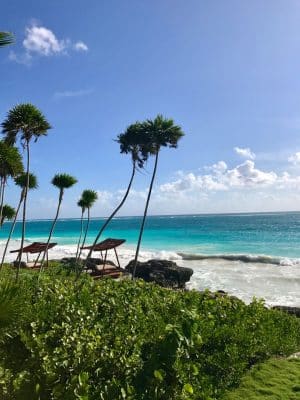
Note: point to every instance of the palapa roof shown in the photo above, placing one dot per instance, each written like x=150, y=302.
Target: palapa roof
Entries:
x=106, y=244
x=36, y=247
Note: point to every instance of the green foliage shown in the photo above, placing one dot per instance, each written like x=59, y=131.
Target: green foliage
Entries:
x=6, y=38
x=8, y=213
x=10, y=161
x=131, y=142
x=133, y=340
x=21, y=181
x=274, y=379
x=27, y=120
x=89, y=197
x=63, y=181
x=81, y=204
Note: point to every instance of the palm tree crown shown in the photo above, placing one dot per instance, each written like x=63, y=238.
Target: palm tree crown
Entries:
x=26, y=119
x=21, y=181
x=6, y=38
x=89, y=197
x=82, y=205
x=132, y=142
x=160, y=132
x=8, y=213
x=63, y=181
x=10, y=161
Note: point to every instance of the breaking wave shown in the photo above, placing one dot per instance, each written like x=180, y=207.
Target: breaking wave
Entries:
x=246, y=258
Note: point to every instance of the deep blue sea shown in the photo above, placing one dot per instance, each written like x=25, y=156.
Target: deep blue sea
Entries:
x=273, y=234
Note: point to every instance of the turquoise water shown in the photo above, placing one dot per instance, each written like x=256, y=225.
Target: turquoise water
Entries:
x=273, y=234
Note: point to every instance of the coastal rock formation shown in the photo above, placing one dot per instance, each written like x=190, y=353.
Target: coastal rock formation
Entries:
x=290, y=310
x=163, y=272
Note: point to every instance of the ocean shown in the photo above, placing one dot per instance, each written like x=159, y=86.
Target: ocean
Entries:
x=246, y=255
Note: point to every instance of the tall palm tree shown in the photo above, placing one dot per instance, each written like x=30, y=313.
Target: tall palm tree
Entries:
x=11, y=165
x=157, y=133
x=80, y=204
x=27, y=122
x=130, y=143
x=89, y=197
x=6, y=38
x=8, y=213
x=20, y=181
x=62, y=182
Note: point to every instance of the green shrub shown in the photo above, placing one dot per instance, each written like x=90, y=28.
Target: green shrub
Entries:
x=132, y=340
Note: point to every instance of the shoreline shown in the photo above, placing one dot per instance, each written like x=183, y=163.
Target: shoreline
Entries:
x=243, y=276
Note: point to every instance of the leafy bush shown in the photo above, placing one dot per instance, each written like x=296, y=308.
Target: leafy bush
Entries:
x=132, y=340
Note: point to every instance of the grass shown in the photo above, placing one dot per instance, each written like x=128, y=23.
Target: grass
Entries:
x=276, y=379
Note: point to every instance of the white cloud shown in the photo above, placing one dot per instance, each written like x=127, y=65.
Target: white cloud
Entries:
x=80, y=46
x=24, y=58
x=43, y=42
x=221, y=178
x=245, y=152
x=295, y=158
x=73, y=93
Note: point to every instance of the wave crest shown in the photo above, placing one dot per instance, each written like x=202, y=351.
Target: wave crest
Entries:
x=246, y=258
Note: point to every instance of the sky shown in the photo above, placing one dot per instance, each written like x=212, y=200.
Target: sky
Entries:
x=226, y=71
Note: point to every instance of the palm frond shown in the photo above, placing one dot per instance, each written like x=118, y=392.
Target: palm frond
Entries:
x=6, y=38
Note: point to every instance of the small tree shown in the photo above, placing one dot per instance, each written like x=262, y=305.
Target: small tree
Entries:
x=131, y=142
x=20, y=181
x=8, y=213
x=62, y=182
x=27, y=122
x=89, y=197
x=157, y=133
x=80, y=204
x=11, y=165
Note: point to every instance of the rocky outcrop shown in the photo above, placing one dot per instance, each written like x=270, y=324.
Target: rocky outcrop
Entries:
x=163, y=272
x=290, y=310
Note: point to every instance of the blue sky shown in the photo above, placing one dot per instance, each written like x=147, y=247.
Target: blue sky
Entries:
x=226, y=71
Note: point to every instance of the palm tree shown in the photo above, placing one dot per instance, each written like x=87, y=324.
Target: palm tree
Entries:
x=80, y=204
x=130, y=143
x=62, y=182
x=157, y=133
x=6, y=38
x=8, y=213
x=28, y=122
x=11, y=165
x=89, y=197
x=20, y=181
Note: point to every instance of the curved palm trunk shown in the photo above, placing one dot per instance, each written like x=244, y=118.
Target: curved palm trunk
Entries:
x=144, y=217
x=52, y=229
x=19, y=258
x=12, y=228
x=2, y=189
x=115, y=211
x=86, y=231
x=80, y=236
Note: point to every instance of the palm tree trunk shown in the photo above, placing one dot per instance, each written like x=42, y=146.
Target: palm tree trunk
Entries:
x=12, y=228
x=115, y=211
x=81, y=231
x=24, y=212
x=61, y=193
x=144, y=217
x=86, y=231
x=2, y=189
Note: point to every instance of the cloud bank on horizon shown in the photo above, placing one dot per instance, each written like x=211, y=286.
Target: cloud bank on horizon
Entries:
x=216, y=188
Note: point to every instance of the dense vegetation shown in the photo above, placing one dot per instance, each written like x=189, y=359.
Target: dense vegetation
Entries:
x=131, y=340
x=274, y=379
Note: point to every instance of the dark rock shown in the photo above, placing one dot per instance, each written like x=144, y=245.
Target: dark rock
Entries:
x=290, y=310
x=163, y=272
